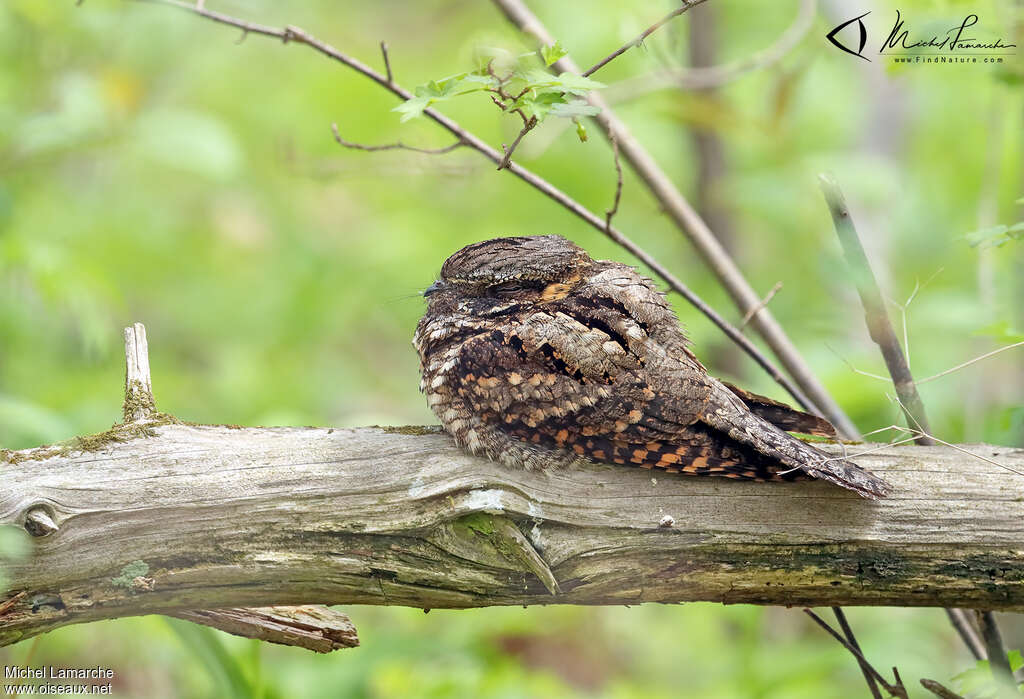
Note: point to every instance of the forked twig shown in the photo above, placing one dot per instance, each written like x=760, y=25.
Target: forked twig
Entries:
x=509, y=150
x=896, y=690
x=387, y=61
x=398, y=145
x=709, y=77
x=687, y=4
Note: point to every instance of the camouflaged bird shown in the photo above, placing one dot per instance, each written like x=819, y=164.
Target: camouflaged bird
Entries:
x=535, y=355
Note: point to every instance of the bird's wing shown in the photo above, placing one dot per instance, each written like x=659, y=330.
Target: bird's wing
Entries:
x=571, y=382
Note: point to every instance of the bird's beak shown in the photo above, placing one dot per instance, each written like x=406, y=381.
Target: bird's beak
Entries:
x=436, y=286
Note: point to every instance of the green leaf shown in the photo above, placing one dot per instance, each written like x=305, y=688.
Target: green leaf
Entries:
x=577, y=84
x=1016, y=660
x=975, y=679
x=576, y=108
x=413, y=107
x=443, y=89
x=483, y=79
x=534, y=105
x=571, y=83
x=550, y=54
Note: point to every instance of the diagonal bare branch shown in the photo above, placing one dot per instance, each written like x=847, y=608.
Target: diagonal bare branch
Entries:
x=998, y=663
x=864, y=668
x=879, y=327
x=896, y=690
x=968, y=634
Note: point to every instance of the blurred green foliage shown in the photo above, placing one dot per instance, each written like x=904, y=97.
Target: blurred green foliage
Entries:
x=152, y=170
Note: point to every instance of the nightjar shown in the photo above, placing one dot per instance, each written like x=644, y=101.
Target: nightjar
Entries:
x=535, y=355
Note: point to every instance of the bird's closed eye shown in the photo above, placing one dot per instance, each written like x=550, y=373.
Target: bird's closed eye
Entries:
x=511, y=288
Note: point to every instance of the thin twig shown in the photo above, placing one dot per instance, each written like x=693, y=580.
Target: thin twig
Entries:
x=702, y=78
x=610, y=213
x=689, y=222
x=296, y=35
x=958, y=367
x=879, y=327
x=527, y=127
x=851, y=367
x=968, y=634
x=764, y=302
x=848, y=632
x=998, y=662
x=896, y=690
x=387, y=61
x=938, y=690
x=505, y=101
x=393, y=146
x=921, y=433
x=687, y=4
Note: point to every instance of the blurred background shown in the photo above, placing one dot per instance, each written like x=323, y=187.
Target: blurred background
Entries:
x=154, y=169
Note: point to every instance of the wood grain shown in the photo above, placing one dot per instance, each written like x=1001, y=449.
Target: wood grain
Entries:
x=225, y=517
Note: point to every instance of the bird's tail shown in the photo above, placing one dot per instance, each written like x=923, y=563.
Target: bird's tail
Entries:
x=745, y=426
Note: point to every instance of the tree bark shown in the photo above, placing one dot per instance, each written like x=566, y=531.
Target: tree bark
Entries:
x=179, y=517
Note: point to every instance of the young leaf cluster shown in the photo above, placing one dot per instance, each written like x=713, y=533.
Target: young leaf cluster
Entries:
x=517, y=84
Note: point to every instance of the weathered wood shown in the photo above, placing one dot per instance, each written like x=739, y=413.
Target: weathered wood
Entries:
x=316, y=628
x=313, y=626
x=226, y=517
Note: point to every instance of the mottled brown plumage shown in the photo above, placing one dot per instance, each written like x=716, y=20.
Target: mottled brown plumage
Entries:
x=536, y=355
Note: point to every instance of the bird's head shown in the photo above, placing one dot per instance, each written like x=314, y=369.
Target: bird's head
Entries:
x=493, y=275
